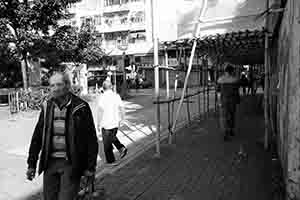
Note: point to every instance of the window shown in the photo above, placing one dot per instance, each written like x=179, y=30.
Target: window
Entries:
x=138, y=17
x=112, y=2
x=97, y=19
x=82, y=20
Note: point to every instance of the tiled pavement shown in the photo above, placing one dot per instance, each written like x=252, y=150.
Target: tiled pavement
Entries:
x=15, y=133
x=199, y=166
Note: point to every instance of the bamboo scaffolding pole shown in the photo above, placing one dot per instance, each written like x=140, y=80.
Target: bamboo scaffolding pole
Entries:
x=199, y=87
x=266, y=91
x=173, y=106
x=215, y=84
x=207, y=87
x=187, y=91
x=203, y=86
x=178, y=98
x=156, y=72
x=167, y=74
x=197, y=31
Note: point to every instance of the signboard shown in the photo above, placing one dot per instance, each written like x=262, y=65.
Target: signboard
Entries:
x=172, y=62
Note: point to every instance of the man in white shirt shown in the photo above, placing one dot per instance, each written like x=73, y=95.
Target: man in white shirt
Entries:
x=110, y=114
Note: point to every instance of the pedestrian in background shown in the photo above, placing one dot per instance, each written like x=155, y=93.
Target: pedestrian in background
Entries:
x=110, y=114
x=230, y=97
x=244, y=83
x=65, y=137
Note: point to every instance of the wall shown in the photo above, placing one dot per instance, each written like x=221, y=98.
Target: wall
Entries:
x=288, y=61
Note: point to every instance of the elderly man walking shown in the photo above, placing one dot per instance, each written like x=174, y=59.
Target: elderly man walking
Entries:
x=66, y=137
x=110, y=114
x=230, y=97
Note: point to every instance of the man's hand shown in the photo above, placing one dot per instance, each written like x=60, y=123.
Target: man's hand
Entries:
x=30, y=174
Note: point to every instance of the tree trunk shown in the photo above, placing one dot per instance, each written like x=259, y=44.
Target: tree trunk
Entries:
x=24, y=72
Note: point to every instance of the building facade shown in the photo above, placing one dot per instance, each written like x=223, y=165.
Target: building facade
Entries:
x=124, y=30
x=123, y=27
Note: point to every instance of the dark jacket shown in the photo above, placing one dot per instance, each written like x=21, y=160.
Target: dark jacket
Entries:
x=229, y=88
x=81, y=138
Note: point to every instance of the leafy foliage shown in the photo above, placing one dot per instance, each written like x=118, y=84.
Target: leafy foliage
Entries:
x=25, y=24
x=68, y=44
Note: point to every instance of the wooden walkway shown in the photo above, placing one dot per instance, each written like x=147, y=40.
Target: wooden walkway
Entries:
x=200, y=165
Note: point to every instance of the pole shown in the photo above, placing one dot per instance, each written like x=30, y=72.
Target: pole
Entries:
x=203, y=86
x=124, y=87
x=207, y=86
x=115, y=80
x=216, y=79
x=199, y=87
x=266, y=98
x=197, y=31
x=167, y=74
x=187, y=91
x=156, y=73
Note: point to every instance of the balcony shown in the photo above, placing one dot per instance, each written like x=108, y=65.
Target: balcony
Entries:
x=140, y=47
x=105, y=28
x=135, y=5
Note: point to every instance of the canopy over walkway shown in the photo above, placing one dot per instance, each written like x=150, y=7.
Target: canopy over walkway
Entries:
x=241, y=48
x=240, y=39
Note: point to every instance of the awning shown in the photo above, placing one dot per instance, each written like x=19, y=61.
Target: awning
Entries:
x=133, y=49
x=241, y=47
x=231, y=30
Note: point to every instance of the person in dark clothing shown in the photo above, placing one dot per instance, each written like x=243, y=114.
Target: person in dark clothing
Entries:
x=137, y=81
x=244, y=83
x=262, y=81
x=65, y=136
x=251, y=81
x=229, y=89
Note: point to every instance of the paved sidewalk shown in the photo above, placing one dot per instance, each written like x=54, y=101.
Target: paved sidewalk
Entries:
x=200, y=165
x=138, y=133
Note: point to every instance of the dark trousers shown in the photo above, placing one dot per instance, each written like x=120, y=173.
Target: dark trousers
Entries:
x=109, y=139
x=58, y=183
x=228, y=111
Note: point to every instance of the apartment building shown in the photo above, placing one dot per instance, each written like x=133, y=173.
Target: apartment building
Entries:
x=123, y=27
x=124, y=30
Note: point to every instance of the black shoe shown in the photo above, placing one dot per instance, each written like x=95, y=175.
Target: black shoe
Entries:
x=232, y=133
x=123, y=152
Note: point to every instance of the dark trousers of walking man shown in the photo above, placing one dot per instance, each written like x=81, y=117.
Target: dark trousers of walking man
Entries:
x=228, y=118
x=110, y=139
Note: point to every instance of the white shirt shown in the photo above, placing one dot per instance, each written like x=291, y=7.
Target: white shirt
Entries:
x=110, y=110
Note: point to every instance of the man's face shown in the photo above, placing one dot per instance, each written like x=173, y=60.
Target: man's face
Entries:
x=58, y=87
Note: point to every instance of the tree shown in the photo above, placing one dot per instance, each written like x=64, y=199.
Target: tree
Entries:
x=76, y=46
x=24, y=23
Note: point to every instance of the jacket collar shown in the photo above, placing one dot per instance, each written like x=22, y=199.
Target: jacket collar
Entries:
x=74, y=104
